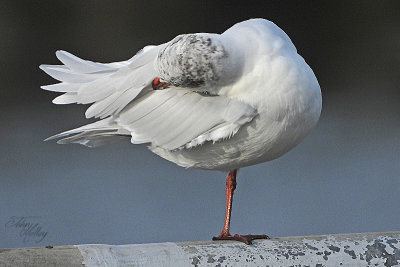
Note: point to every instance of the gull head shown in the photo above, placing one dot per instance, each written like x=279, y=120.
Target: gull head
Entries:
x=196, y=61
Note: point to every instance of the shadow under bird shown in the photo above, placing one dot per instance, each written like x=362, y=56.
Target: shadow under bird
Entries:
x=207, y=101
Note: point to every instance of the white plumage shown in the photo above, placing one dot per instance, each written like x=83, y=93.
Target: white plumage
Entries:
x=235, y=99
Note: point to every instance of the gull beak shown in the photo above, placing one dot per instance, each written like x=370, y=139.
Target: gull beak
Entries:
x=157, y=85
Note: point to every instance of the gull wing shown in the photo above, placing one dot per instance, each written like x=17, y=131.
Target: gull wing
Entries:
x=172, y=118
x=176, y=117
x=121, y=93
x=110, y=87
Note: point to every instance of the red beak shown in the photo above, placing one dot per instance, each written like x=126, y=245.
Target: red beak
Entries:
x=156, y=84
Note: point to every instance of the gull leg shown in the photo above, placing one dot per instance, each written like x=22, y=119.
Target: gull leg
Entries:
x=225, y=235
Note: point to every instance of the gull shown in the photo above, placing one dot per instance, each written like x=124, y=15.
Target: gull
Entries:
x=203, y=100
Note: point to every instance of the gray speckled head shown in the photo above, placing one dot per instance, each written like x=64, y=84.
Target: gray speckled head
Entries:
x=192, y=60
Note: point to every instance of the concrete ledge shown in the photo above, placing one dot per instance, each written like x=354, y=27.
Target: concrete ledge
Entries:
x=366, y=249
x=40, y=256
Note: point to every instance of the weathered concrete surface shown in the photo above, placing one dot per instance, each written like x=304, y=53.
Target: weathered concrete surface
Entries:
x=41, y=256
x=367, y=249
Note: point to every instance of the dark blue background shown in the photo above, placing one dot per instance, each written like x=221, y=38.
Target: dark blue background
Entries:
x=343, y=178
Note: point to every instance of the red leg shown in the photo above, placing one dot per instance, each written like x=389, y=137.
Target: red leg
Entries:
x=225, y=235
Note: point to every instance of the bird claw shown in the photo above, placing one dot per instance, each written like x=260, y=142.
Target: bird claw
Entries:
x=242, y=238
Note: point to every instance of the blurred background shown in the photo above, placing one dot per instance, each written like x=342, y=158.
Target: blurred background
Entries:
x=345, y=177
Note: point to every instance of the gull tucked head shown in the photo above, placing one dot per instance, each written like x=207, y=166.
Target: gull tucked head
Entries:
x=192, y=61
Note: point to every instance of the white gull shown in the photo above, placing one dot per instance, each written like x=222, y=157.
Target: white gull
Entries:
x=208, y=101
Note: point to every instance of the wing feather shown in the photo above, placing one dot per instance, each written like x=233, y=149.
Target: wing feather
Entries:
x=110, y=87
x=63, y=74
x=78, y=65
x=174, y=117
x=67, y=98
x=62, y=87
